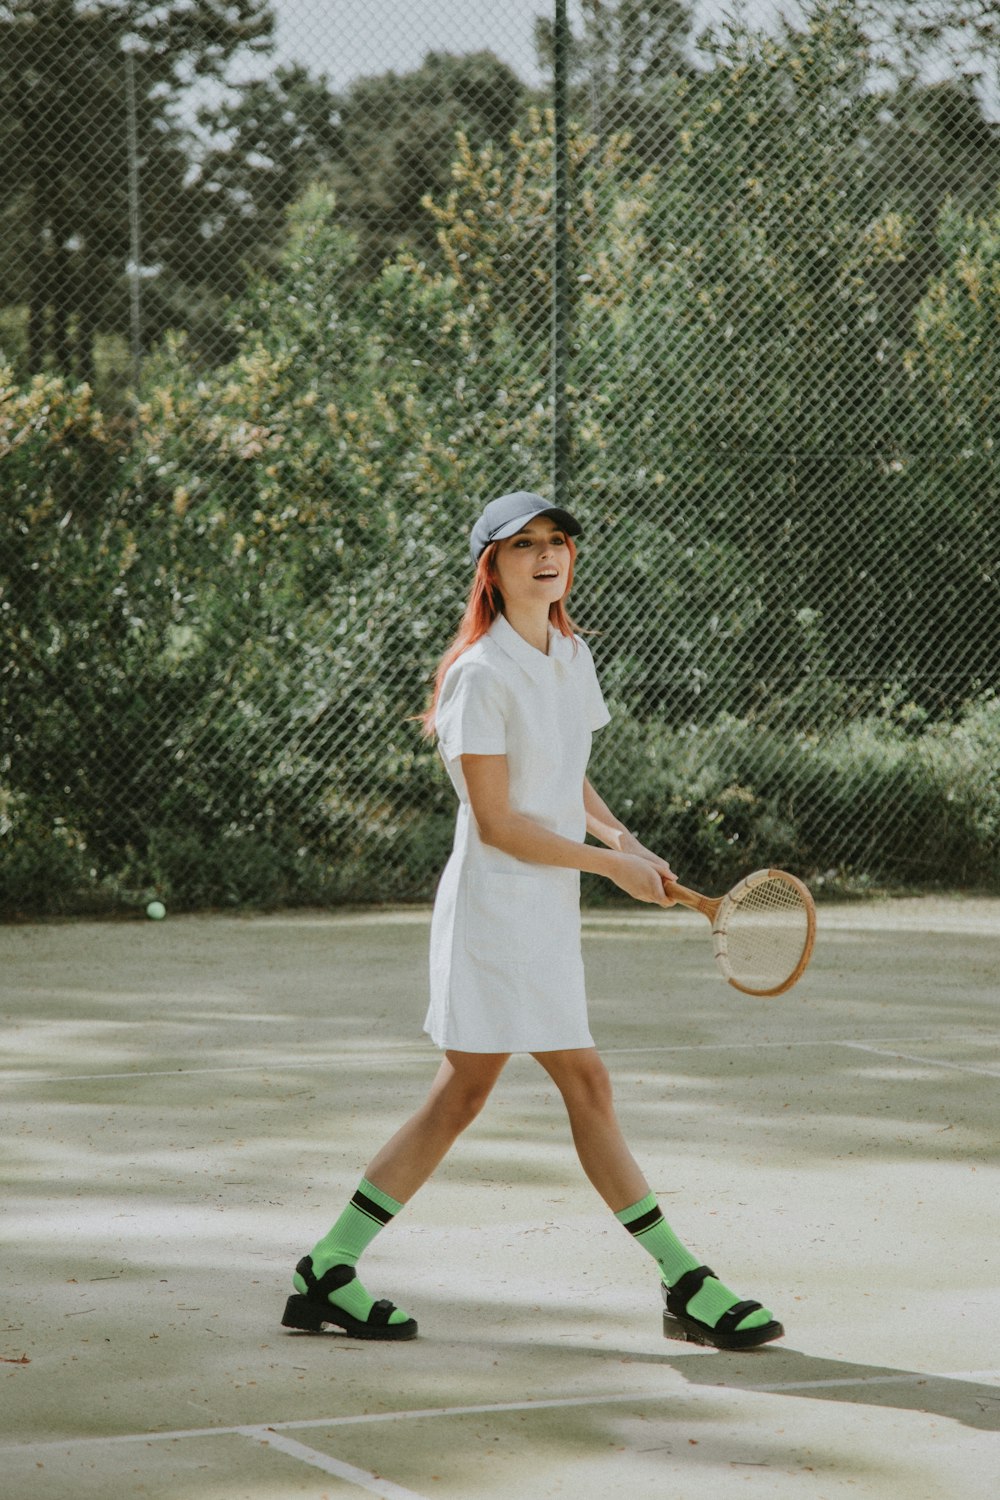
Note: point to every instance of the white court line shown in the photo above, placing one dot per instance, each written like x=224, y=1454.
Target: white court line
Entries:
x=403, y=1050
x=930, y=1062
x=361, y=1419
x=373, y=1483
x=990, y=1038
x=499, y=1408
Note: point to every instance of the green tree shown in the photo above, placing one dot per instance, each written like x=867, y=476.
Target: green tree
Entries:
x=931, y=145
x=382, y=144
x=272, y=139
x=398, y=143
x=952, y=468
x=624, y=65
x=64, y=638
x=64, y=166
x=744, y=398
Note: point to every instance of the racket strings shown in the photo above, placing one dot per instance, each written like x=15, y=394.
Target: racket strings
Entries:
x=766, y=934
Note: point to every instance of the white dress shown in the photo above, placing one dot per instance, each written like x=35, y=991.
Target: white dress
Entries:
x=506, y=972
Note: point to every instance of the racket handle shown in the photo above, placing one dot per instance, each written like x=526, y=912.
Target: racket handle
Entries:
x=692, y=899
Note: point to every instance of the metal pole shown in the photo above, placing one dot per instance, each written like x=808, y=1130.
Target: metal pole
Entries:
x=560, y=264
x=135, y=245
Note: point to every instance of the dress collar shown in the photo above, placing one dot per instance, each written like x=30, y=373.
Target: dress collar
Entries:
x=537, y=666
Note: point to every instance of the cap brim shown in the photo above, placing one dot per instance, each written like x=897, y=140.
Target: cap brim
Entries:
x=563, y=519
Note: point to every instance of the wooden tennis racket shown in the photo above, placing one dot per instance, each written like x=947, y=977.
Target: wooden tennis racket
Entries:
x=764, y=929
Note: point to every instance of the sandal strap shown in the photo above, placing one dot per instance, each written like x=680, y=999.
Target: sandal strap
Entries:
x=381, y=1312
x=330, y=1281
x=730, y=1321
x=318, y=1289
x=690, y=1284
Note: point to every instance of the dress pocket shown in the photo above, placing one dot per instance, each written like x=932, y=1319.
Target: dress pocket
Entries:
x=514, y=918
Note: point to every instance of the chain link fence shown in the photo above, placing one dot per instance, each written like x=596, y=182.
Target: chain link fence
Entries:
x=288, y=291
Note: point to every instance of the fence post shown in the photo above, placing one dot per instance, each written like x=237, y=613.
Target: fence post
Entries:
x=130, y=46
x=560, y=262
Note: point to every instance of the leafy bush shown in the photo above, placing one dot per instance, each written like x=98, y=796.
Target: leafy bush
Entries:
x=882, y=798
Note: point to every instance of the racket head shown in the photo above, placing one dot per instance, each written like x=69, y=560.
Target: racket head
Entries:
x=764, y=932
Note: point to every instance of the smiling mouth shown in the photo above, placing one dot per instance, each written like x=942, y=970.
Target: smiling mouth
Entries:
x=548, y=573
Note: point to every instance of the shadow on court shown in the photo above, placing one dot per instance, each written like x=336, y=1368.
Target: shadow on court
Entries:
x=792, y=1373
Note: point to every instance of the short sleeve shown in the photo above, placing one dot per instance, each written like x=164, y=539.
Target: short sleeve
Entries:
x=470, y=716
x=596, y=708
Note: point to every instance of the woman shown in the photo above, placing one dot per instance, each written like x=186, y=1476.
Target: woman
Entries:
x=515, y=703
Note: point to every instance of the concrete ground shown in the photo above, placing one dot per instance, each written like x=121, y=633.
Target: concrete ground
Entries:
x=188, y=1103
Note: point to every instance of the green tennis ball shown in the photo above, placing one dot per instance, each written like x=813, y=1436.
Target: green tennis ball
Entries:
x=156, y=911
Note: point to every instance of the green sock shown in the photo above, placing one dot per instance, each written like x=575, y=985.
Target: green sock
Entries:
x=368, y=1211
x=647, y=1226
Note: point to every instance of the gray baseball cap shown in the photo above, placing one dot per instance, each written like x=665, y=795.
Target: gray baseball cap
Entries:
x=506, y=516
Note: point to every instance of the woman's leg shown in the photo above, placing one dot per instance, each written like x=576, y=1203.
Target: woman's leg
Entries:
x=463, y=1084
x=582, y=1080
x=326, y=1285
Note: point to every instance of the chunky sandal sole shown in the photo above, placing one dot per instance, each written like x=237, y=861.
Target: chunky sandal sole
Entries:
x=691, y=1331
x=678, y=1323
x=308, y=1316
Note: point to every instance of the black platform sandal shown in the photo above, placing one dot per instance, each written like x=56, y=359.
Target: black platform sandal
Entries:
x=309, y=1311
x=678, y=1323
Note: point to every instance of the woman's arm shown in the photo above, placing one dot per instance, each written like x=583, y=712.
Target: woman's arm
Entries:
x=488, y=785
x=603, y=825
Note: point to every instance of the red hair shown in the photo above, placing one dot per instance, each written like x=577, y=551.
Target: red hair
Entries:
x=485, y=602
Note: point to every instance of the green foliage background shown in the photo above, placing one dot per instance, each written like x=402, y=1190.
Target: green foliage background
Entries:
x=220, y=612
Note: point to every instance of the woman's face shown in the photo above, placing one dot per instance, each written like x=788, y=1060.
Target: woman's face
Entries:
x=533, y=565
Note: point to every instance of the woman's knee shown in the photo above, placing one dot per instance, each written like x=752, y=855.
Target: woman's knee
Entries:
x=460, y=1106
x=595, y=1087
x=461, y=1095
x=583, y=1081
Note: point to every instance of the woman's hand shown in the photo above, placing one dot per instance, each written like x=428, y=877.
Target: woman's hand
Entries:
x=602, y=823
x=641, y=879
x=631, y=845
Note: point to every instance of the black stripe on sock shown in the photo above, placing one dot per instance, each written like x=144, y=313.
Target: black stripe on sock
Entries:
x=645, y=1221
x=371, y=1208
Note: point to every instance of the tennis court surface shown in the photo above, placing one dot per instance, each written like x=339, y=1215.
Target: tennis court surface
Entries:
x=188, y=1103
